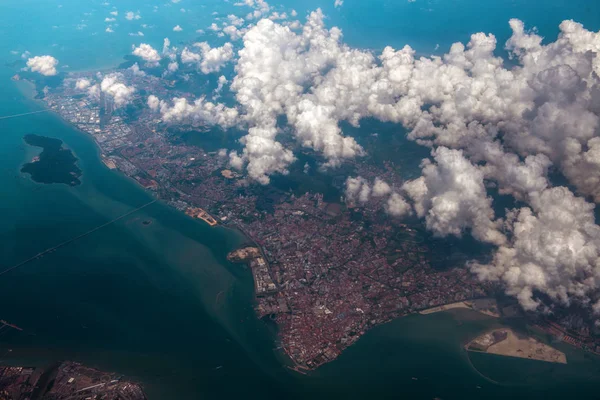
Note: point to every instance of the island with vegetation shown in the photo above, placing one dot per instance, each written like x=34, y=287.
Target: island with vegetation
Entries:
x=55, y=164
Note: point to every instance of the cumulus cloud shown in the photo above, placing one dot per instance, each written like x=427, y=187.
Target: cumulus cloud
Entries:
x=147, y=53
x=451, y=196
x=487, y=123
x=381, y=188
x=177, y=28
x=338, y=3
x=234, y=32
x=213, y=59
x=135, y=69
x=153, y=102
x=198, y=113
x=221, y=82
x=130, y=15
x=554, y=249
x=275, y=66
x=189, y=57
x=357, y=189
x=261, y=8
x=209, y=59
x=82, y=83
x=397, y=206
x=112, y=86
x=45, y=65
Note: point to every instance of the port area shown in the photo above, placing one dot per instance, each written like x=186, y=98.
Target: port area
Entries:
x=199, y=213
x=505, y=342
x=65, y=381
x=263, y=282
x=485, y=306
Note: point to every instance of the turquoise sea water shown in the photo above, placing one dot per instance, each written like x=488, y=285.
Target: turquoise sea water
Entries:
x=160, y=303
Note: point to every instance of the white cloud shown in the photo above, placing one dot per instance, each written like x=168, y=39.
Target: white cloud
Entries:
x=108, y=29
x=278, y=16
x=130, y=15
x=357, y=190
x=210, y=59
x=135, y=69
x=177, y=28
x=45, y=65
x=109, y=19
x=153, y=102
x=233, y=32
x=115, y=13
x=189, y=57
x=275, y=66
x=198, y=113
x=554, y=249
x=235, y=20
x=452, y=198
x=173, y=66
x=338, y=3
x=222, y=81
x=397, y=206
x=485, y=121
x=112, y=86
x=213, y=59
x=147, y=53
x=381, y=188
x=82, y=84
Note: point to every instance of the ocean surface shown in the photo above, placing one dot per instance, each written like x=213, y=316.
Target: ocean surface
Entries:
x=159, y=303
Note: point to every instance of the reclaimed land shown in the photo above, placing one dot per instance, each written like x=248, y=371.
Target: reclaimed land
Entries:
x=505, y=342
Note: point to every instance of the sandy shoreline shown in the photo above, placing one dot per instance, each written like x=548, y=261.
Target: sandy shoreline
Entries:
x=505, y=342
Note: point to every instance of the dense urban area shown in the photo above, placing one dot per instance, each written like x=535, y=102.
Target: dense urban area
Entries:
x=324, y=271
x=65, y=381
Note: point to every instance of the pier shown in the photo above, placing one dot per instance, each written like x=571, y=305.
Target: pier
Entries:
x=23, y=114
x=66, y=242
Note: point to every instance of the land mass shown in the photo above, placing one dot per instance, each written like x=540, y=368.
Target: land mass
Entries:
x=484, y=306
x=55, y=164
x=324, y=271
x=506, y=342
x=65, y=381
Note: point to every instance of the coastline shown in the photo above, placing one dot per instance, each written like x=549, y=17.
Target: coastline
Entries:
x=283, y=315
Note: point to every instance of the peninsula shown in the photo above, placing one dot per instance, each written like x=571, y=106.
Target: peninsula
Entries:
x=505, y=342
x=324, y=272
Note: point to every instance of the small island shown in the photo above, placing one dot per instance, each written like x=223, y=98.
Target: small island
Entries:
x=55, y=164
